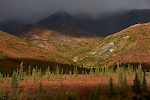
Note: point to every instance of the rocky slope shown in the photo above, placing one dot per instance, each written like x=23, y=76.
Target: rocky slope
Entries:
x=132, y=45
x=14, y=50
x=53, y=41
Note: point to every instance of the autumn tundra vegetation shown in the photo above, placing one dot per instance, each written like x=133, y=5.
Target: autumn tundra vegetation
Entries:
x=114, y=83
x=63, y=58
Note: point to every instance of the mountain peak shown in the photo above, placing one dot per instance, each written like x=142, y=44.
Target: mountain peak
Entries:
x=56, y=16
x=61, y=13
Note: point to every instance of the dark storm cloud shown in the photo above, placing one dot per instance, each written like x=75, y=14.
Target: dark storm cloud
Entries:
x=33, y=10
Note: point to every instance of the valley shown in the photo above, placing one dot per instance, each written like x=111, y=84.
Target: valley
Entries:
x=66, y=57
x=42, y=44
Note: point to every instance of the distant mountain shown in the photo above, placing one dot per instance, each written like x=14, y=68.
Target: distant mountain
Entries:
x=67, y=24
x=78, y=26
x=83, y=25
x=116, y=23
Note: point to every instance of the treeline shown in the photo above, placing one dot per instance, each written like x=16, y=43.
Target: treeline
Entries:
x=124, y=83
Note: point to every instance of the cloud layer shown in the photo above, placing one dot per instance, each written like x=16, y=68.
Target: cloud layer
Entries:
x=34, y=10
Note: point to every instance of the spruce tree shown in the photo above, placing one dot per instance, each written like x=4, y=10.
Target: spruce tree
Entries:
x=21, y=73
x=47, y=74
x=144, y=84
x=125, y=81
x=34, y=75
x=75, y=71
x=136, y=87
x=14, y=82
x=120, y=79
x=97, y=72
x=111, y=88
x=57, y=70
x=29, y=71
x=111, y=91
x=39, y=73
x=62, y=71
x=91, y=72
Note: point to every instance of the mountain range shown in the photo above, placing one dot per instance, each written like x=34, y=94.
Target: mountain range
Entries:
x=101, y=26
x=83, y=25
x=81, y=41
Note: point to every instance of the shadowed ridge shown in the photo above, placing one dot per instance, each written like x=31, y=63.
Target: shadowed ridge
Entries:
x=81, y=26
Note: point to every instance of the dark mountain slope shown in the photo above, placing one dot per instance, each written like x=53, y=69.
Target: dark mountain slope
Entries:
x=85, y=26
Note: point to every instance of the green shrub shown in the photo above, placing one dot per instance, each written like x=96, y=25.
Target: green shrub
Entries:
x=94, y=95
x=40, y=89
x=3, y=95
x=1, y=52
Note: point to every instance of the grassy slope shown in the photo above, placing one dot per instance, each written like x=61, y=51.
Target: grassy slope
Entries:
x=129, y=45
x=14, y=50
x=140, y=51
x=56, y=42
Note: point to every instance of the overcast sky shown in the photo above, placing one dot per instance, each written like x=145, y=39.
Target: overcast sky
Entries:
x=34, y=10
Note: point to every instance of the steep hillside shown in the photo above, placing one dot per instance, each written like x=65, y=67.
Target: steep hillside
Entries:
x=14, y=50
x=53, y=41
x=140, y=51
x=66, y=24
x=81, y=26
x=130, y=45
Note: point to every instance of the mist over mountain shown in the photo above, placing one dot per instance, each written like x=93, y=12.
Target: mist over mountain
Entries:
x=102, y=26
x=84, y=25
x=31, y=11
x=11, y=26
x=94, y=17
